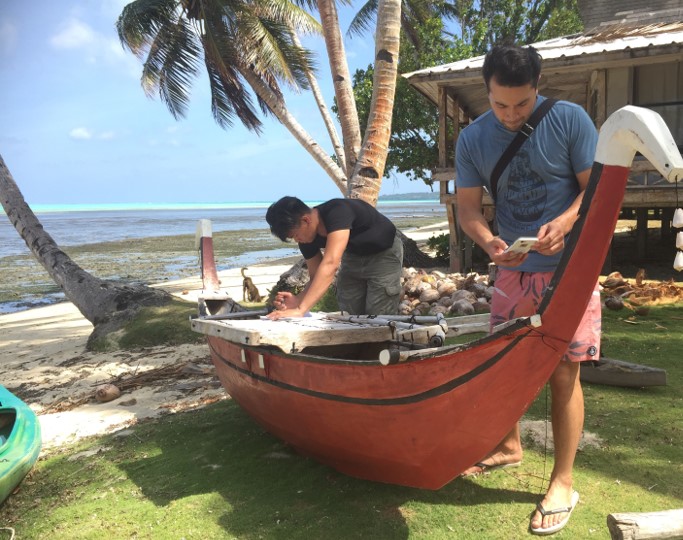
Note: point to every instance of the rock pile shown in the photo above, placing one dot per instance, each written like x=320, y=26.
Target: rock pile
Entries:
x=429, y=293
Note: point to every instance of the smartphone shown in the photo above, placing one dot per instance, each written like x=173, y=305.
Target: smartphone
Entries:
x=522, y=244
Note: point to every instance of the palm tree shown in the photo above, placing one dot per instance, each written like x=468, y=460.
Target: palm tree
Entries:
x=240, y=41
x=105, y=304
x=253, y=43
x=243, y=44
x=366, y=179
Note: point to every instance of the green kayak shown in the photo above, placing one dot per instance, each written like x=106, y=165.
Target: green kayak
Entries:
x=19, y=441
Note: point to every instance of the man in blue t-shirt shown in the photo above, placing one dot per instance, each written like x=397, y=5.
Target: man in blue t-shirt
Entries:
x=538, y=195
x=355, y=239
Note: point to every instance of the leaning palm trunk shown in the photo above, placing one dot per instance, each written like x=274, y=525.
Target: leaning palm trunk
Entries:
x=279, y=109
x=366, y=178
x=324, y=113
x=105, y=304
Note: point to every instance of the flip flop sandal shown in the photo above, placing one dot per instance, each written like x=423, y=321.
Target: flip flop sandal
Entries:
x=555, y=528
x=486, y=468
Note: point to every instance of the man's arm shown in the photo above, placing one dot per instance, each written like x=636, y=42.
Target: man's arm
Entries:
x=321, y=271
x=475, y=226
x=551, y=235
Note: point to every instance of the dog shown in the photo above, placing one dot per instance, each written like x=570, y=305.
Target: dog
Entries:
x=250, y=292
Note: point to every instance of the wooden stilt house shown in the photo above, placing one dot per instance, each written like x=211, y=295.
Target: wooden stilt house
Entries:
x=601, y=70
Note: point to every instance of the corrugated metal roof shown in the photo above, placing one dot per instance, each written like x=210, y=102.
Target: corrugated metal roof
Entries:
x=610, y=39
x=568, y=65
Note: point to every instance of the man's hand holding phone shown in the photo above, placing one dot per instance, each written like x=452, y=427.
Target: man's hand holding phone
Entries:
x=523, y=244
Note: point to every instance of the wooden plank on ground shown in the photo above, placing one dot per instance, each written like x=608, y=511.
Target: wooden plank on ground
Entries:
x=612, y=372
x=664, y=525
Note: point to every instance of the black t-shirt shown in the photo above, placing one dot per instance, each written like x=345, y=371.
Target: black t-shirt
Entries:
x=371, y=232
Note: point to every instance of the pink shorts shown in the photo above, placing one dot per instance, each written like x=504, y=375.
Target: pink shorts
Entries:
x=518, y=294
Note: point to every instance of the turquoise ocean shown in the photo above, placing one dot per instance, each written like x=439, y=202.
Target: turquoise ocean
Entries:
x=73, y=225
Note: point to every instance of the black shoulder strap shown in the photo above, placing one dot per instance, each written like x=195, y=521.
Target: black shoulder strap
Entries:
x=522, y=135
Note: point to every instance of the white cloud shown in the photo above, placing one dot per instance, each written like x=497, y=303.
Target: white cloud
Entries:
x=8, y=37
x=80, y=133
x=85, y=134
x=99, y=48
x=73, y=35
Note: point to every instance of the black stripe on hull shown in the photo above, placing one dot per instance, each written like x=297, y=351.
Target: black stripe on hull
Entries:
x=405, y=400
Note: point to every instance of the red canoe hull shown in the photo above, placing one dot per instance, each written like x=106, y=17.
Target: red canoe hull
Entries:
x=422, y=422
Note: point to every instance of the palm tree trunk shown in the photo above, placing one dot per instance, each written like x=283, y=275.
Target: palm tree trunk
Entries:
x=105, y=304
x=324, y=112
x=279, y=108
x=366, y=179
x=343, y=88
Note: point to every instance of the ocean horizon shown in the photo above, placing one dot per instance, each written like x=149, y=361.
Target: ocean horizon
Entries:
x=44, y=208
x=80, y=224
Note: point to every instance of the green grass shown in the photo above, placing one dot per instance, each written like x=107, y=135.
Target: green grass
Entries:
x=159, y=325
x=214, y=473
x=168, y=324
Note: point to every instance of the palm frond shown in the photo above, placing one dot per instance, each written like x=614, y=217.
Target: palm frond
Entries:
x=172, y=63
x=364, y=20
x=290, y=13
x=141, y=20
x=308, y=4
x=223, y=56
x=273, y=51
x=229, y=97
x=241, y=40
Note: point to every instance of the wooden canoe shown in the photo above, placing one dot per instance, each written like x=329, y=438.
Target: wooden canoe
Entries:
x=423, y=420
x=19, y=441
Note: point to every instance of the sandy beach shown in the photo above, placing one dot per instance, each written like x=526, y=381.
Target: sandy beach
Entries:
x=43, y=359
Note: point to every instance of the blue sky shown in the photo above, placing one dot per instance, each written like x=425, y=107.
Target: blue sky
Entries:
x=78, y=128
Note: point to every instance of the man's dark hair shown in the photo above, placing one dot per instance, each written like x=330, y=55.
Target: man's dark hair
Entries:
x=512, y=65
x=285, y=215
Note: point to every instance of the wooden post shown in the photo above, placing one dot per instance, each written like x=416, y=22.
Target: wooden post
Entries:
x=443, y=125
x=641, y=232
x=456, y=262
x=667, y=218
x=597, y=102
x=455, y=232
x=204, y=244
x=665, y=525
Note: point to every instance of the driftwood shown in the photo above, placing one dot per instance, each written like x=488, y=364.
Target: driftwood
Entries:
x=665, y=525
x=614, y=372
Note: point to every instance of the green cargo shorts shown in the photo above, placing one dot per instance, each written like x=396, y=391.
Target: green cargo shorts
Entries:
x=371, y=284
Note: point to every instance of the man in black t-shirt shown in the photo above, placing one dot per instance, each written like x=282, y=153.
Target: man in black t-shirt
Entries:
x=356, y=240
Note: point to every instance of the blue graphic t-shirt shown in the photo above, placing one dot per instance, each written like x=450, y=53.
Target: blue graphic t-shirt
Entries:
x=540, y=181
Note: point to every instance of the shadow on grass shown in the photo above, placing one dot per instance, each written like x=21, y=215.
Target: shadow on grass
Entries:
x=272, y=491
x=267, y=490
x=214, y=473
